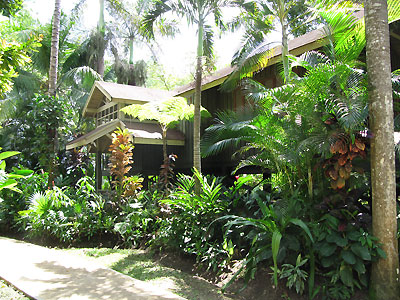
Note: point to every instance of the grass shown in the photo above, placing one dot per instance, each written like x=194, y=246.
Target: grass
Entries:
x=141, y=265
x=7, y=292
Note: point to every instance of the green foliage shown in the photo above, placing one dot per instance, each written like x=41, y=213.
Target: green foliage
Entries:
x=67, y=215
x=10, y=7
x=187, y=218
x=8, y=185
x=346, y=250
x=13, y=55
x=271, y=236
x=139, y=220
x=295, y=275
x=167, y=112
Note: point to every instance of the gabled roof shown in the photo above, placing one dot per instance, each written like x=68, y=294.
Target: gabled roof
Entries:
x=109, y=91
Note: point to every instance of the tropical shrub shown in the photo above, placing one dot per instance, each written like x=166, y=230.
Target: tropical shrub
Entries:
x=9, y=192
x=185, y=220
x=294, y=274
x=344, y=251
x=139, y=219
x=67, y=215
x=120, y=165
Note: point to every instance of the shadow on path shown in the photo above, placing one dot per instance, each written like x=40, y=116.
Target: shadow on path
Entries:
x=79, y=283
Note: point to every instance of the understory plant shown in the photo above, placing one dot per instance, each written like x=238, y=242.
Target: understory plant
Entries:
x=295, y=275
x=120, y=164
x=185, y=219
x=67, y=214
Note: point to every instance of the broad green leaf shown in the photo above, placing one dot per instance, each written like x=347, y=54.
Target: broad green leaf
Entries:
x=23, y=172
x=359, y=266
x=327, y=261
x=276, y=240
x=303, y=225
x=7, y=154
x=381, y=253
x=327, y=249
x=346, y=275
x=354, y=235
x=361, y=251
x=363, y=279
x=337, y=239
x=348, y=257
x=8, y=184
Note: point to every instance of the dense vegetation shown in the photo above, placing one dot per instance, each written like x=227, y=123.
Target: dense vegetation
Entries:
x=309, y=221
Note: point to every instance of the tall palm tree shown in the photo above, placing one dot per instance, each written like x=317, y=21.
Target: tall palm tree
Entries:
x=385, y=277
x=196, y=12
x=127, y=26
x=54, y=48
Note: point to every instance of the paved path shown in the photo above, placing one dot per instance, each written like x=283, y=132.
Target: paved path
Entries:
x=48, y=274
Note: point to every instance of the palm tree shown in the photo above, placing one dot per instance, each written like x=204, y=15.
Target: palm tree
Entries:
x=55, y=36
x=384, y=277
x=54, y=48
x=127, y=26
x=196, y=12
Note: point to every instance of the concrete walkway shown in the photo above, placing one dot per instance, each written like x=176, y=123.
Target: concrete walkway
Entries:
x=48, y=274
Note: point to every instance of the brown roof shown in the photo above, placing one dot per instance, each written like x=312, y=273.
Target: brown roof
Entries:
x=211, y=79
x=121, y=93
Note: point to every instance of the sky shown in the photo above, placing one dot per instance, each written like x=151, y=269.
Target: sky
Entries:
x=178, y=54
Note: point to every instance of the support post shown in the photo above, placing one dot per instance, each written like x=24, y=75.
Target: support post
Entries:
x=98, y=171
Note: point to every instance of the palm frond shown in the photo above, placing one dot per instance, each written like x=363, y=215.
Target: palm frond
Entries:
x=396, y=83
x=82, y=75
x=393, y=10
x=230, y=130
x=208, y=41
x=346, y=31
x=248, y=63
x=158, y=8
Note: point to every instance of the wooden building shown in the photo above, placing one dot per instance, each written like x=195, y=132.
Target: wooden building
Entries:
x=106, y=99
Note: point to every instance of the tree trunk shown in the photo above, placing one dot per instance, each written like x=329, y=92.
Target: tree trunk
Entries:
x=164, y=138
x=197, y=105
x=102, y=48
x=281, y=10
x=285, y=51
x=131, y=50
x=55, y=36
x=384, y=277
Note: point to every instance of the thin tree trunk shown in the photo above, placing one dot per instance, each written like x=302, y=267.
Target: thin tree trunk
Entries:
x=384, y=277
x=285, y=51
x=282, y=15
x=197, y=105
x=164, y=137
x=55, y=36
x=131, y=50
x=101, y=27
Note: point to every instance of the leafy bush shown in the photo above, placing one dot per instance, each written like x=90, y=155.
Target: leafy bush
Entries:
x=294, y=274
x=344, y=253
x=186, y=218
x=66, y=214
x=139, y=219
